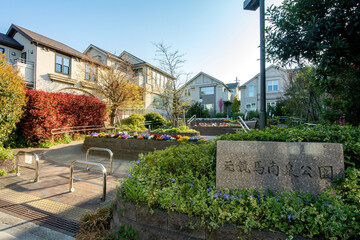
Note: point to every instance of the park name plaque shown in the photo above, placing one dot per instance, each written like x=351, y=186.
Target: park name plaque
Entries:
x=277, y=166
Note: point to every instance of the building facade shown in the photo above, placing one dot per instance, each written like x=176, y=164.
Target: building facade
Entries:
x=276, y=79
x=52, y=66
x=211, y=93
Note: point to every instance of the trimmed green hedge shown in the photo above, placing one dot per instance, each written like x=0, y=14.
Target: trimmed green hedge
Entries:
x=181, y=129
x=182, y=179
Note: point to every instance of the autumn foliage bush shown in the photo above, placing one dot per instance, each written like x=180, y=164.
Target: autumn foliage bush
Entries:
x=46, y=111
x=12, y=98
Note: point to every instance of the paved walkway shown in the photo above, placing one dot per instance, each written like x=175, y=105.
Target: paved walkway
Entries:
x=50, y=196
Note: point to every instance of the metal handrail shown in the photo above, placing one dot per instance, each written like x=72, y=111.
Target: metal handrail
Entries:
x=191, y=119
x=76, y=129
x=72, y=165
x=243, y=124
x=104, y=150
x=36, y=179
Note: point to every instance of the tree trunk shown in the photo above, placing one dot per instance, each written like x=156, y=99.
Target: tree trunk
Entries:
x=112, y=116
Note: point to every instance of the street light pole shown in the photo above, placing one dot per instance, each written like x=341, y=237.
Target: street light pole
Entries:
x=253, y=5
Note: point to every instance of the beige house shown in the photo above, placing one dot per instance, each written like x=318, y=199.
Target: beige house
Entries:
x=151, y=78
x=276, y=79
x=52, y=66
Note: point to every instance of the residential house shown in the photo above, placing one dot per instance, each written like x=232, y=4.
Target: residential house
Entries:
x=52, y=66
x=211, y=91
x=276, y=79
x=151, y=78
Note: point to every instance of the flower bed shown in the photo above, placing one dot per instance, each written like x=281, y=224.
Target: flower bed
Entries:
x=129, y=147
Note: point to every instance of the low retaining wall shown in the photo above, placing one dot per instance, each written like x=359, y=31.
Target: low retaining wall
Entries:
x=192, y=134
x=215, y=131
x=174, y=226
x=128, y=149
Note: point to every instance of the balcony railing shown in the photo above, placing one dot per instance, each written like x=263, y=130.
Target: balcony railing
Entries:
x=20, y=60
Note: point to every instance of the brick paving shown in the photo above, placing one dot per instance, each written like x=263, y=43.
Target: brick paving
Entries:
x=51, y=193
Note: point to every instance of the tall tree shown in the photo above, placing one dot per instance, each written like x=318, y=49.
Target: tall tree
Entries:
x=118, y=85
x=172, y=99
x=327, y=35
x=302, y=97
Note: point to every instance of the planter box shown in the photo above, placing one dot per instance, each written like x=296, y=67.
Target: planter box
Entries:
x=193, y=134
x=163, y=225
x=129, y=149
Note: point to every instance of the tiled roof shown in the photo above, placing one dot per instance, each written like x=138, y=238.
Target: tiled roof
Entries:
x=10, y=42
x=45, y=41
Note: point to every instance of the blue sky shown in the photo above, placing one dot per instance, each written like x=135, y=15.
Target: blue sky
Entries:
x=217, y=36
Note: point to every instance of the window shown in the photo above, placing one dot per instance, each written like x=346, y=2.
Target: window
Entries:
x=251, y=91
x=253, y=106
x=207, y=91
x=248, y=106
x=187, y=92
x=2, y=50
x=273, y=85
x=62, y=64
x=90, y=73
x=209, y=107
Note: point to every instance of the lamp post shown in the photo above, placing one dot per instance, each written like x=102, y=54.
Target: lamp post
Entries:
x=200, y=101
x=252, y=5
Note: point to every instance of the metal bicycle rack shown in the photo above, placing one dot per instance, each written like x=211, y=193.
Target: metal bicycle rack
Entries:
x=28, y=160
x=104, y=150
x=71, y=189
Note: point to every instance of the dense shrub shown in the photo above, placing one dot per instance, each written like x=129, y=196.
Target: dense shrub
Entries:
x=156, y=119
x=133, y=119
x=182, y=179
x=181, y=129
x=12, y=98
x=46, y=111
x=220, y=115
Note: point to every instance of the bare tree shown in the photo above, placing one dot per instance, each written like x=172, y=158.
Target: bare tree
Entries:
x=171, y=95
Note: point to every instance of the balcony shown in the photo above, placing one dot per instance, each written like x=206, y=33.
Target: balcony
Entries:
x=26, y=69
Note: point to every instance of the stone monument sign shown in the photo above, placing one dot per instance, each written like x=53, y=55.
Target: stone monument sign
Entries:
x=300, y=166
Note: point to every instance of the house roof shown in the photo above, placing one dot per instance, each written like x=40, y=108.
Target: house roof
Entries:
x=104, y=52
x=232, y=85
x=257, y=75
x=45, y=41
x=10, y=42
x=207, y=75
x=137, y=62
x=131, y=58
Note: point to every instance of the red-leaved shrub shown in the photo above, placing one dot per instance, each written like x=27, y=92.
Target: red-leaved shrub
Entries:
x=45, y=111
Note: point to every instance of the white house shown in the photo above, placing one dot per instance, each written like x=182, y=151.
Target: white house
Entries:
x=211, y=91
x=276, y=79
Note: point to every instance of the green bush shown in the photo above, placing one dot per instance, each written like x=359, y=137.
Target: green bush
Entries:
x=131, y=128
x=5, y=154
x=181, y=129
x=12, y=98
x=182, y=179
x=156, y=119
x=219, y=115
x=133, y=119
